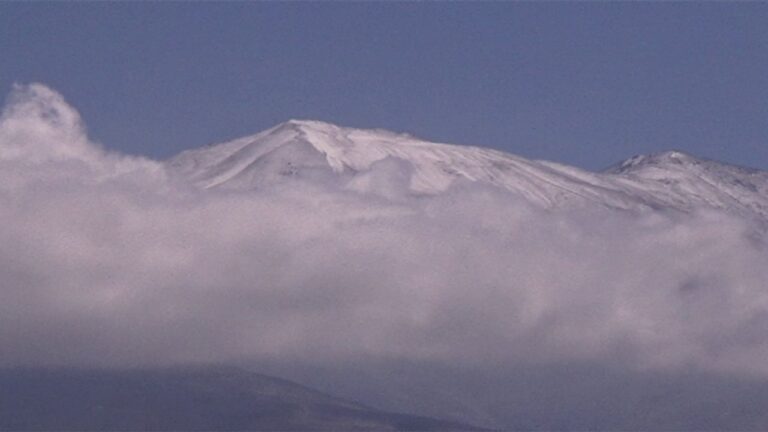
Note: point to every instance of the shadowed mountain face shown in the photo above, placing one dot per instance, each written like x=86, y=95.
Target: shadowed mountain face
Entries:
x=565, y=397
x=182, y=399
x=574, y=396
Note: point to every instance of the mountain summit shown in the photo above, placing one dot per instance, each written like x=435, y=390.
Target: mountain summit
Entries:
x=317, y=150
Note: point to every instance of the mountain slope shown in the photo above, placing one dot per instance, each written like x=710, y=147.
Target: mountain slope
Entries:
x=320, y=151
x=193, y=398
x=555, y=397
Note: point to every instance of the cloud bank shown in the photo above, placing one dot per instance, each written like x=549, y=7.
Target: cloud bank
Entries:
x=106, y=259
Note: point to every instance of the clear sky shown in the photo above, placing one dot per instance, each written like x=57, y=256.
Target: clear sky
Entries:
x=582, y=83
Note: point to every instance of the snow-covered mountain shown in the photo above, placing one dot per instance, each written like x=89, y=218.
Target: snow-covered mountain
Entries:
x=312, y=149
x=375, y=267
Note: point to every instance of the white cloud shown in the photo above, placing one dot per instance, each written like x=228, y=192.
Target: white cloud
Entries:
x=104, y=260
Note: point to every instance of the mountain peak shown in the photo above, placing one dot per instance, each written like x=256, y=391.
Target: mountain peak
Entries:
x=303, y=124
x=303, y=130
x=322, y=152
x=668, y=158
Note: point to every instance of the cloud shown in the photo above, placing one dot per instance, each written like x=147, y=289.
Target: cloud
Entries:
x=39, y=125
x=107, y=260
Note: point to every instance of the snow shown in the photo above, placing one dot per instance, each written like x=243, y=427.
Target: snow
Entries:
x=671, y=180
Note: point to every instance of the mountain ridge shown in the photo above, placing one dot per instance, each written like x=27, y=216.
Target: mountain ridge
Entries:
x=184, y=398
x=319, y=151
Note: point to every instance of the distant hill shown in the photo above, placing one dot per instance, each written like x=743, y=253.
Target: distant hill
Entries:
x=192, y=398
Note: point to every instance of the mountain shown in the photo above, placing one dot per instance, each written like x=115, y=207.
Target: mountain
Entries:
x=323, y=152
x=183, y=398
x=572, y=396
x=480, y=315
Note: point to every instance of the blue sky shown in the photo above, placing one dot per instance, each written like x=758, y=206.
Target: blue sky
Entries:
x=582, y=83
